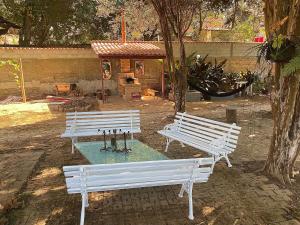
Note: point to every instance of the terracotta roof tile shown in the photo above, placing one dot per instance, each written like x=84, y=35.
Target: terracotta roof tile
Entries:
x=106, y=49
x=41, y=48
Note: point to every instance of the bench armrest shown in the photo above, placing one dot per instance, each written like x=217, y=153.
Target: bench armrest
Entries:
x=171, y=126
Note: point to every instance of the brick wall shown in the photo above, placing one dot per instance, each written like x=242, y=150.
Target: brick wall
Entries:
x=45, y=67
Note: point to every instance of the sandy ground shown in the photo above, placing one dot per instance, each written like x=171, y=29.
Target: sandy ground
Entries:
x=26, y=128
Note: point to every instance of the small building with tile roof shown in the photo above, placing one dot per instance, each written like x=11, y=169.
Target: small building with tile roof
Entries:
x=135, y=67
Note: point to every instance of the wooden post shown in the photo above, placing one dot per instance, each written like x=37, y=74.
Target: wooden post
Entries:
x=22, y=82
x=102, y=79
x=163, y=79
x=231, y=114
x=123, y=26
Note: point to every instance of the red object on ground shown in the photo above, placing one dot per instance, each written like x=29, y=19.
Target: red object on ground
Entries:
x=259, y=39
x=58, y=99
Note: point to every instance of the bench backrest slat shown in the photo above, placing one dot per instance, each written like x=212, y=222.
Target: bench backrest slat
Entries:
x=97, y=122
x=90, y=123
x=100, y=177
x=233, y=129
x=204, y=138
x=154, y=164
x=102, y=184
x=213, y=122
x=206, y=130
x=134, y=185
x=134, y=177
x=102, y=121
x=198, y=144
x=105, y=126
x=103, y=112
x=105, y=116
x=200, y=132
x=100, y=172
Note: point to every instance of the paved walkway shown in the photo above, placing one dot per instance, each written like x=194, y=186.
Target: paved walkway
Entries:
x=15, y=169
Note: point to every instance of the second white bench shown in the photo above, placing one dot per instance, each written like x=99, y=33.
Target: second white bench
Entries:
x=216, y=138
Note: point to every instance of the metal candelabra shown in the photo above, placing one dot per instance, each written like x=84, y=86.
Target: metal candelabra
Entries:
x=114, y=146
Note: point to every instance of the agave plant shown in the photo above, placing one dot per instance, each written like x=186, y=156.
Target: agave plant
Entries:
x=211, y=78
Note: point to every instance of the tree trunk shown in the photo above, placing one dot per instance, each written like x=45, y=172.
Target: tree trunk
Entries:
x=177, y=15
x=42, y=37
x=160, y=8
x=25, y=32
x=201, y=20
x=180, y=88
x=285, y=142
x=181, y=80
x=236, y=3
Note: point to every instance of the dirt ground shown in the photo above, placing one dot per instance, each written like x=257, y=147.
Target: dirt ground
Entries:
x=238, y=195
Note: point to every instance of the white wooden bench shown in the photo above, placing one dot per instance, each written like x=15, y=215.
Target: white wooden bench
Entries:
x=216, y=138
x=107, y=177
x=83, y=124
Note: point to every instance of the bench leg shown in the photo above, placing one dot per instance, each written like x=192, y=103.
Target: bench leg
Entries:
x=72, y=146
x=213, y=165
x=217, y=158
x=188, y=187
x=83, y=206
x=190, y=193
x=183, y=188
x=169, y=140
x=74, y=140
x=82, y=214
x=227, y=160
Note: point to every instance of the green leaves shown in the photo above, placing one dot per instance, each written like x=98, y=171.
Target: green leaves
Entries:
x=293, y=66
x=278, y=49
x=190, y=59
x=56, y=22
x=119, y=3
x=278, y=41
x=16, y=69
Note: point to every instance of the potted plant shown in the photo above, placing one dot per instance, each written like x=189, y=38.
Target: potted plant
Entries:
x=278, y=49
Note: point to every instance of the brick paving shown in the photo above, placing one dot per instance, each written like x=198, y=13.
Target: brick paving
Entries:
x=231, y=196
x=12, y=180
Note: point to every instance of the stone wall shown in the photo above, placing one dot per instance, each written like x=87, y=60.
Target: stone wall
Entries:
x=40, y=75
x=44, y=67
x=240, y=56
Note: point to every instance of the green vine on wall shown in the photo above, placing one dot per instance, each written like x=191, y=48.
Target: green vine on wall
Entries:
x=16, y=69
